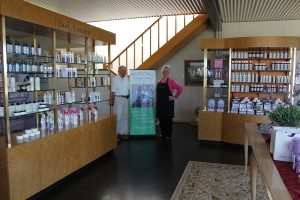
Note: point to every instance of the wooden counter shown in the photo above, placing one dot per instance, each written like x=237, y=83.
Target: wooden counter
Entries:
x=37, y=164
x=261, y=158
x=275, y=187
x=225, y=127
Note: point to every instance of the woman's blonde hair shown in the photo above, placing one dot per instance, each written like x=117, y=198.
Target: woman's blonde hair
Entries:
x=166, y=67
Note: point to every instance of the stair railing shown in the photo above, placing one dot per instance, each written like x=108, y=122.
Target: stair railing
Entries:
x=153, y=38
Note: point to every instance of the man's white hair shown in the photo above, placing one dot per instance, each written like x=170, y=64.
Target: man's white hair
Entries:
x=121, y=66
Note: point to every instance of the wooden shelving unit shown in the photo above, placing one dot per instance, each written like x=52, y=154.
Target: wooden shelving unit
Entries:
x=29, y=167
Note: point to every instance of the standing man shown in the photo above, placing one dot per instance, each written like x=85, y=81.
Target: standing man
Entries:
x=120, y=101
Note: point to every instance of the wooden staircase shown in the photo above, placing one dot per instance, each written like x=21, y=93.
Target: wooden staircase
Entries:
x=162, y=53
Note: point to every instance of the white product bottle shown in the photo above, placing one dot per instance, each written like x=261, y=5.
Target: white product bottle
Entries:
x=39, y=50
x=60, y=122
x=37, y=83
x=80, y=115
x=31, y=81
x=82, y=97
x=67, y=119
x=50, y=99
x=73, y=96
x=13, y=84
x=75, y=118
x=43, y=122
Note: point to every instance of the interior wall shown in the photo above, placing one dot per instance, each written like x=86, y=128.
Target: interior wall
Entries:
x=192, y=95
x=268, y=28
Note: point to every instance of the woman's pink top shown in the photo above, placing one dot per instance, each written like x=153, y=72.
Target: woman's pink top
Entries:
x=173, y=86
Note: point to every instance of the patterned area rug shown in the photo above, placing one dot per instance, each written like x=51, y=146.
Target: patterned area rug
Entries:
x=212, y=181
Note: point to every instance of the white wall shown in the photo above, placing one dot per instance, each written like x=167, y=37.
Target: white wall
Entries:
x=192, y=95
x=270, y=28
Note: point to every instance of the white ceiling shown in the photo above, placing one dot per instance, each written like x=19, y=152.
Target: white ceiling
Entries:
x=258, y=10
x=220, y=11
x=100, y=10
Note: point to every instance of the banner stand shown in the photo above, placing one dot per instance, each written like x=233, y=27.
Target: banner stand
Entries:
x=142, y=102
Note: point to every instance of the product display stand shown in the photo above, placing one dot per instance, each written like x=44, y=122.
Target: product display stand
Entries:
x=50, y=126
x=261, y=76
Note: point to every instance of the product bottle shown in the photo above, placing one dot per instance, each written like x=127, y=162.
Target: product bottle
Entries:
x=39, y=50
x=32, y=50
x=80, y=114
x=60, y=122
x=37, y=83
x=31, y=81
x=13, y=83
x=82, y=97
x=75, y=117
x=50, y=98
x=73, y=96
x=43, y=122
x=17, y=67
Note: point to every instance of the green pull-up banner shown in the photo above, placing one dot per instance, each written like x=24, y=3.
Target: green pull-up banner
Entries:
x=142, y=102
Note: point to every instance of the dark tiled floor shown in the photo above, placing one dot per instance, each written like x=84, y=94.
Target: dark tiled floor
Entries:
x=142, y=169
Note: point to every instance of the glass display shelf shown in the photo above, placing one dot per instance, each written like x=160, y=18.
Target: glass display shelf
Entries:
x=44, y=90
x=261, y=58
x=97, y=62
x=216, y=87
x=212, y=68
x=218, y=78
x=85, y=102
x=28, y=114
x=216, y=97
x=259, y=83
x=66, y=63
x=37, y=56
x=92, y=87
x=98, y=74
x=28, y=73
x=28, y=56
x=69, y=77
x=99, y=86
x=261, y=93
x=69, y=103
x=260, y=70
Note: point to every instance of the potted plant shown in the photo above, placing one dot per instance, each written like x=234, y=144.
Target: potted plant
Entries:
x=287, y=116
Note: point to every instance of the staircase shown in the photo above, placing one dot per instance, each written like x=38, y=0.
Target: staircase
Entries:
x=162, y=40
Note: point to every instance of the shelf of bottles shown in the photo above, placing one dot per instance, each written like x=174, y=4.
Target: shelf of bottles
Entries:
x=216, y=81
x=31, y=71
x=260, y=78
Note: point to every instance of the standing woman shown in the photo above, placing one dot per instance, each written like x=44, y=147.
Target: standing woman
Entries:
x=165, y=102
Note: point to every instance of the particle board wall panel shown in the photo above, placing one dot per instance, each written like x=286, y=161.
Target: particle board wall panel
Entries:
x=97, y=139
x=38, y=164
x=210, y=126
x=71, y=149
x=226, y=127
x=88, y=144
x=108, y=131
x=4, y=187
x=24, y=170
x=111, y=134
x=52, y=156
x=233, y=126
